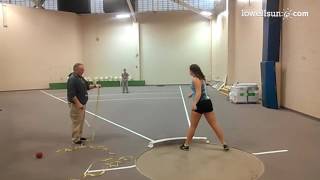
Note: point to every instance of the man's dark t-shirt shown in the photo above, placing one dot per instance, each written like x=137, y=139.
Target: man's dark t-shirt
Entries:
x=77, y=86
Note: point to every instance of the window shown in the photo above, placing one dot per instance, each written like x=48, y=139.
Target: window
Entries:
x=141, y=5
x=49, y=4
x=97, y=6
x=169, y=5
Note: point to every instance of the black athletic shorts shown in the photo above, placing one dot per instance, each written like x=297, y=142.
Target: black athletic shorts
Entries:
x=204, y=106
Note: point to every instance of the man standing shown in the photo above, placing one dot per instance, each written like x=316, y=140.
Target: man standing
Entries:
x=125, y=79
x=77, y=97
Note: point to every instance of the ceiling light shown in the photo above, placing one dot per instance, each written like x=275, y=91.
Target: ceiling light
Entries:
x=122, y=16
x=206, y=13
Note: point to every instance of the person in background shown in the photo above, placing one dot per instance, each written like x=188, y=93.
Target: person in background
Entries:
x=77, y=92
x=124, y=81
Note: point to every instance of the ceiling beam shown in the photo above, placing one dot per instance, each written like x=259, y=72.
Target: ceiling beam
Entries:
x=133, y=15
x=186, y=5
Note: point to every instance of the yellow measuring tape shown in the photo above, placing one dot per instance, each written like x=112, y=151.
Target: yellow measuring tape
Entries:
x=77, y=148
x=108, y=162
x=111, y=162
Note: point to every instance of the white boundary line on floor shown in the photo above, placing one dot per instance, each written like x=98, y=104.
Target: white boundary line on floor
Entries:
x=87, y=123
x=133, y=99
x=270, y=152
x=102, y=118
x=120, y=126
x=154, y=91
x=85, y=173
x=173, y=91
x=173, y=139
x=129, y=94
x=44, y=92
x=185, y=107
x=111, y=169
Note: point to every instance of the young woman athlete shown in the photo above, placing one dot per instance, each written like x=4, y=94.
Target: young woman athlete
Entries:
x=201, y=105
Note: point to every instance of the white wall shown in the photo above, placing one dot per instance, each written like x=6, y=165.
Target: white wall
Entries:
x=43, y=46
x=300, y=52
x=301, y=59
x=245, y=43
x=38, y=47
x=220, y=47
x=170, y=42
x=109, y=45
x=237, y=43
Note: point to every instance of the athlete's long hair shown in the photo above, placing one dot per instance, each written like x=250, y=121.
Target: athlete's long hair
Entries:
x=196, y=70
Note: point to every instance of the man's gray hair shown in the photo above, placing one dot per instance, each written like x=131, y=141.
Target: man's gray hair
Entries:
x=76, y=65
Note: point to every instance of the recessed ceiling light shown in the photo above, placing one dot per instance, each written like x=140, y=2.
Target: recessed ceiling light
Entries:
x=206, y=13
x=122, y=16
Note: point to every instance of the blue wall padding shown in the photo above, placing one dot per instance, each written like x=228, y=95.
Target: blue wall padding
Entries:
x=270, y=54
x=269, y=84
x=271, y=39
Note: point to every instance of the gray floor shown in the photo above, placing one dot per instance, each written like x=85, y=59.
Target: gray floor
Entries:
x=33, y=121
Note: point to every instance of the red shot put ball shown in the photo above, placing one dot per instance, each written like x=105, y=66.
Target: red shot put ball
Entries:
x=39, y=155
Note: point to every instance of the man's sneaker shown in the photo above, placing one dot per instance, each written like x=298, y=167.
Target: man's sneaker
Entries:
x=83, y=139
x=226, y=147
x=184, y=147
x=79, y=142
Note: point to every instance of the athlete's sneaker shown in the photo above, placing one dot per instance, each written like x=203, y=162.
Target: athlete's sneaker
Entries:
x=184, y=147
x=83, y=139
x=79, y=142
x=226, y=147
